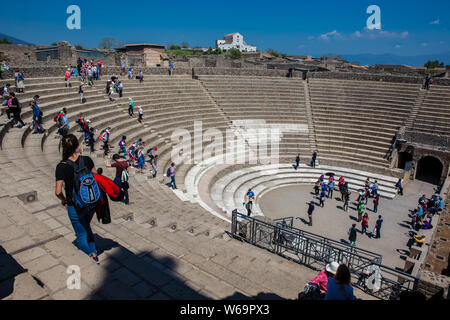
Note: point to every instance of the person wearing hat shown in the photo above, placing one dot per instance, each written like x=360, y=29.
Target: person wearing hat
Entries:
x=319, y=283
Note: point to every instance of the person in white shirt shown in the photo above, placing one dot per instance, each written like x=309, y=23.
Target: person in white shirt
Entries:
x=141, y=114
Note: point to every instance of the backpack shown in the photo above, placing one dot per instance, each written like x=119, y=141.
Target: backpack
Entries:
x=125, y=176
x=168, y=172
x=86, y=193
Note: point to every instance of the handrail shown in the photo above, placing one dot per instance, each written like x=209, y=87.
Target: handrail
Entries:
x=314, y=251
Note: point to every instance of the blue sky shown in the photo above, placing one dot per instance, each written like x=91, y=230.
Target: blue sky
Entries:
x=294, y=27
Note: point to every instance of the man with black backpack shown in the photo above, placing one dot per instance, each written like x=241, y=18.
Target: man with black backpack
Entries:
x=122, y=176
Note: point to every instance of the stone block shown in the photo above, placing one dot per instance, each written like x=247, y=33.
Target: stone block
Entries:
x=124, y=275
x=40, y=264
x=54, y=278
x=22, y=287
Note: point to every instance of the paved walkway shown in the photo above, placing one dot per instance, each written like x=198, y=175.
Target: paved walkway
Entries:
x=334, y=223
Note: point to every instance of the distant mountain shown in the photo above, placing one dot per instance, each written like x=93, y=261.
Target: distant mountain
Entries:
x=415, y=61
x=14, y=40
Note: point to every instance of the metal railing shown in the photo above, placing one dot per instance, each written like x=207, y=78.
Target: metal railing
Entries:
x=314, y=251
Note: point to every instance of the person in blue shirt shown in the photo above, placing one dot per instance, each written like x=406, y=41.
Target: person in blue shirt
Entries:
x=378, y=224
x=313, y=160
x=399, y=186
x=37, y=118
x=331, y=186
x=339, y=288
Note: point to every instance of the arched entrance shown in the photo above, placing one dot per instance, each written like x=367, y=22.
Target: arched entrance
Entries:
x=429, y=169
x=404, y=160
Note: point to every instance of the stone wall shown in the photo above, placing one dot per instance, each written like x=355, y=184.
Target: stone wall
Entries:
x=18, y=54
x=243, y=72
x=375, y=77
x=431, y=283
x=427, y=139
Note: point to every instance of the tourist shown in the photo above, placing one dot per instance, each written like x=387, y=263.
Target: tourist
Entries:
x=331, y=185
x=104, y=136
x=123, y=147
x=361, y=208
x=154, y=163
x=170, y=68
x=399, y=187
x=171, y=175
x=89, y=136
x=5, y=94
x=365, y=223
x=67, y=78
x=376, y=202
x=81, y=93
x=130, y=107
x=150, y=153
x=322, y=198
x=121, y=179
x=297, y=162
x=352, y=235
x=111, y=93
x=344, y=189
x=19, y=81
x=310, y=212
x=378, y=224
x=122, y=64
x=427, y=82
x=63, y=123
x=317, y=187
x=141, y=114
x=374, y=189
x=346, y=200
x=65, y=174
x=324, y=187
x=316, y=289
x=441, y=204
x=130, y=72
x=16, y=109
x=249, y=207
x=250, y=195
x=90, y=75
x=339, y=288
x=141, y=157
x=141, y=76
x=313, y=160
x=120, y=88
x=37, y=118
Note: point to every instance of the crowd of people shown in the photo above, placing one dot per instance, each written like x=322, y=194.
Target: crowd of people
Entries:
x=323, y=190
x=422, y=216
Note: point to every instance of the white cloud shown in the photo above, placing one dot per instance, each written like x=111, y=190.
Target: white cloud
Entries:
x=334, y=34
x=357, y=34
x=374, y=34
x=435, y=21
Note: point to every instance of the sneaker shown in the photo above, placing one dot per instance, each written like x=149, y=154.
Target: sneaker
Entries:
x=96, y=260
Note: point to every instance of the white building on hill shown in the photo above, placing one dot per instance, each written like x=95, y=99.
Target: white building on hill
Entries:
x=234, y=40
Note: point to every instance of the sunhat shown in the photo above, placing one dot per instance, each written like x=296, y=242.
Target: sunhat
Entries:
x=332, y=267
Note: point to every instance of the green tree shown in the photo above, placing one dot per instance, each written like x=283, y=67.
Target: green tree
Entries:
x=235, y=53
x=5, y=41
x=174, y=47
x=218, y=51
x=433, y=64
x=273, y=52
x=185, y=45
x=210, y=51
x=54, y=43
x=79, y=47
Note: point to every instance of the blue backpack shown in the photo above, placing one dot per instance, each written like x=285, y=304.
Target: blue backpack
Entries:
x=86, y=192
